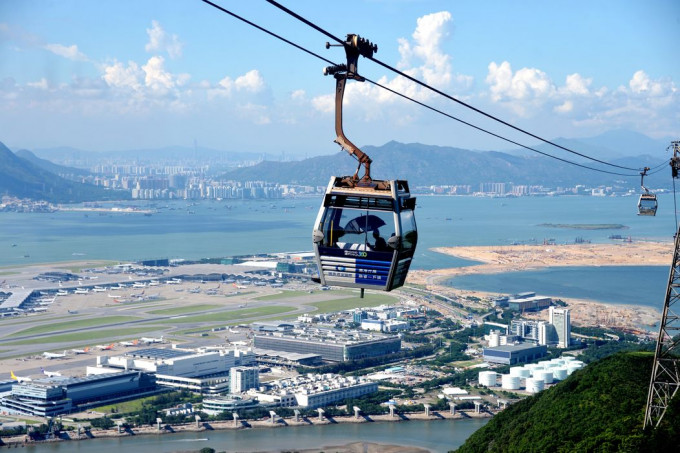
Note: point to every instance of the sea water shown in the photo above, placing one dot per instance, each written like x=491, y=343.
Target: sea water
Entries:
x=203, y=229
x=437, y=436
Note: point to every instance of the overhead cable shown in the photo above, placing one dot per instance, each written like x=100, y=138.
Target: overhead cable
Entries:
x=441, y=93
x=299, y=47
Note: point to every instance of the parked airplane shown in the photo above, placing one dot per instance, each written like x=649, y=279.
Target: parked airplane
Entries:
x=154, y=283
x=195, y=290
x=81, y=351
x=174, y=281
x=62, y=292
x=104, y=347
x=139, y=285
x=19, y=378
x=81, y=291
x=50, y=373
x=152, y=340
x=54, y=355
x=129, y=343
x=99, y=289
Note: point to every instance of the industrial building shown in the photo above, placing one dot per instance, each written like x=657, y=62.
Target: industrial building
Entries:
x=514, y=353
x=313, y=391
x=331, y=345
x=204, y=372
x=532, y=303
x=54, y=396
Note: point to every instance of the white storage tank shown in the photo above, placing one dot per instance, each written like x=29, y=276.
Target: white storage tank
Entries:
x=510, y=382
x=487, y=378
x=516, y=371
x=573, y=366
x=567, y=358
x=544, y=375
x=560, y=373
x=521, y=372
x=534, y=385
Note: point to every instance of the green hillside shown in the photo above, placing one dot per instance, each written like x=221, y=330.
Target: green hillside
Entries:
x=25, y=179
x=597, y=409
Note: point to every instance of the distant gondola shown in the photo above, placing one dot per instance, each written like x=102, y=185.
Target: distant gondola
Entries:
x=647, y=204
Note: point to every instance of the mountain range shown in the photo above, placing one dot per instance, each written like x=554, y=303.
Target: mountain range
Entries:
x=35, y=174
x=28, y=178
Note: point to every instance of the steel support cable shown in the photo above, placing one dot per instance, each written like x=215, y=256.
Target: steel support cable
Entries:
x=494, y=134
x=441, y=93
x=396, y=92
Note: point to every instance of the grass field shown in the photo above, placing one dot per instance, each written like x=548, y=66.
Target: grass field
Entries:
x=124, y=407
x=283, y=295
x=78, y=324
x=93, y=335
x=183, y=310
x=370, y=300
x=235, y=315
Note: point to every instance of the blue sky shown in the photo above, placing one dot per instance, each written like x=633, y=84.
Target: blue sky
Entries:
x=111, y=75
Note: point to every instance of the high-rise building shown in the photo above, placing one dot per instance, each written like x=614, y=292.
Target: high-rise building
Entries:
x=561, y=320
x=242, y=378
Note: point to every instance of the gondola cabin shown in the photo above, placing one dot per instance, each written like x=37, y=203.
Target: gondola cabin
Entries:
x=365, y=237
x=647, y=204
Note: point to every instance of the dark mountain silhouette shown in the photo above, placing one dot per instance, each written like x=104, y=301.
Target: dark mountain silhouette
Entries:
x=24, y=179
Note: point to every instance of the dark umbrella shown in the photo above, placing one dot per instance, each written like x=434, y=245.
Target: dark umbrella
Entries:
x=364, y=223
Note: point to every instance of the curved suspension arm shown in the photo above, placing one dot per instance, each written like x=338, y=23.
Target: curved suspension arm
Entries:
x=354, y=47
x=642, y=179
x=343, y=141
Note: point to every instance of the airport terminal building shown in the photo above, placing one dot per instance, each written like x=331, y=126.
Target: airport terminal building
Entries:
x=331, y=345
x=53, y=396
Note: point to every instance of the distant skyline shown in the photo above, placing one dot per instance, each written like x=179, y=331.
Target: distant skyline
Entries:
x=119, y=75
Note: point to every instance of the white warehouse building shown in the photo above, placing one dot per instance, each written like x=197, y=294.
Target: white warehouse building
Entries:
x=177, y=362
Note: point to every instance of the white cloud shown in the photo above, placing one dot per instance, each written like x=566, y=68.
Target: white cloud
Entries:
x=251, y=81
x=159, y=40
x=298, y=95
x=121, y=76
x=41, y=84
x=156, y=77
x=423, y=58
x=70, y=52
x=527, y=83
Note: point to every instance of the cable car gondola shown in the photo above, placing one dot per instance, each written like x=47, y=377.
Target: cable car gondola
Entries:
x=647, y=204
x=365, y=234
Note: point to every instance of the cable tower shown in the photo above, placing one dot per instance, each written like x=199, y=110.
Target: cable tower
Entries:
x=665, y=379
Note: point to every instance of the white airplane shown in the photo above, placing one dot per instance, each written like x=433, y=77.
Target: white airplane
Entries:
x=152, y=340
x=19, y=378
x=50, y=373
x=54, y=355
x=106, y=347
x=154, y=283
x=62, y=292
x=80, y=351
x=174, y=281
x=195, y=290
x=129, y=343
x=99, y=289
x=81, y=291
x=139, y=285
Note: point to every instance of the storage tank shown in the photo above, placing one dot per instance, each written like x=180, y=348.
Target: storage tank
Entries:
x=534, y=385
x=510, y=382
x=516, y=371
x=560, y=373
x=487, y=378
x=567, y=358
x=544, y=375
x=573, y=366
x=521, y=372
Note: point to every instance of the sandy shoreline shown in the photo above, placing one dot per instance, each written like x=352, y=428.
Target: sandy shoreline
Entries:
x=502, y=259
